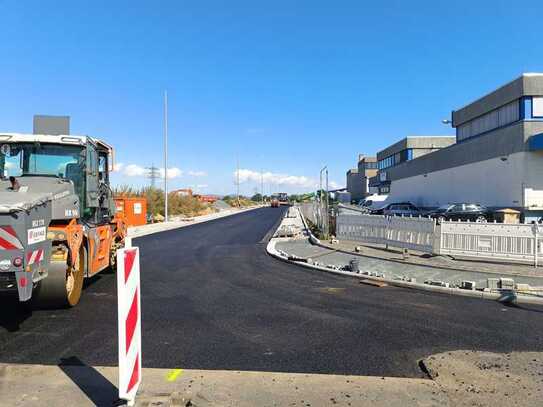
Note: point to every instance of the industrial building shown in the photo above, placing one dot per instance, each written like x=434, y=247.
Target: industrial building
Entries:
x=407, y=149
x=358, y=178
x=496, y=161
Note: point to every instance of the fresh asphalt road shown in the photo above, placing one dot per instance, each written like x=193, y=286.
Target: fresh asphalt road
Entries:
x=213, y=299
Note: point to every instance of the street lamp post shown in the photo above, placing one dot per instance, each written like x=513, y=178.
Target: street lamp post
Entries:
x=327, y=225
x=165, y=156
x=237, y=182
x=323, y=217
x=262, y=187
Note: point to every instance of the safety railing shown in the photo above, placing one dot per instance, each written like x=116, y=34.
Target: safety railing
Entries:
x=499, y=241
x=521, y=243
x=310, y=211
x=402, y=232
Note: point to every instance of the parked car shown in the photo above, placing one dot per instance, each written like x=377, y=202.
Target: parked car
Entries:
x=462, y=211
x=373, y=202
x=401, y=209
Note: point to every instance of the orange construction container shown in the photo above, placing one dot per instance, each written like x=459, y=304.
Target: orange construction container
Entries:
x=133, y=209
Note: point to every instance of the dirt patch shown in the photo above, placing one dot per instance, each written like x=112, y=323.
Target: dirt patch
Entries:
x=331, y=290
x=374, y=283
x=488, y=379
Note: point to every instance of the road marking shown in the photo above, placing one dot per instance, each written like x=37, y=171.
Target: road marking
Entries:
x=172, y=376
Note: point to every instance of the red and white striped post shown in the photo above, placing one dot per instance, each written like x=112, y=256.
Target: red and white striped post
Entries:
x=129, y=315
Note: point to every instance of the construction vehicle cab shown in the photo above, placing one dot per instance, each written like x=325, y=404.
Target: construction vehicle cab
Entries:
x=57, y=215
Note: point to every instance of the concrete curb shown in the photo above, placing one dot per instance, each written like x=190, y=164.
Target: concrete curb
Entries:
x=312, y=238
x=410, y=263
x=269, y=234
x=518, y=299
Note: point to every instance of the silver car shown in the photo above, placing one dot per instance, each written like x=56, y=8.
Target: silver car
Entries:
x=401, y=209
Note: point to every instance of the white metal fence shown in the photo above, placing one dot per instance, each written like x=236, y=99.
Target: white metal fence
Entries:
x=409, y=233
x=522, y=243
x=492, y=241
x=513, y=242
x=311, y=211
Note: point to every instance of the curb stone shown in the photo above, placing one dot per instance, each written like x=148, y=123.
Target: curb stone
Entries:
x=502, y=297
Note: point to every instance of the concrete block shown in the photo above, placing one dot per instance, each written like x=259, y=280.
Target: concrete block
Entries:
x=523, y=287
x=468, y=285
x=492, y=283
x=354, y=265
x=507, y=284
x=437, y=283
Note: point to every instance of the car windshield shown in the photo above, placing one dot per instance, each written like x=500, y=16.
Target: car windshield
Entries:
x=20, y=159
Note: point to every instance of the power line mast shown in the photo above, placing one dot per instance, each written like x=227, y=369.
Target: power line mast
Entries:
x=153, y=174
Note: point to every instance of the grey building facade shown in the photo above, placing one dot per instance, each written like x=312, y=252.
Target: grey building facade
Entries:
x=354, y=183
x=405, y=150
x=497, y=159
x=358, y=178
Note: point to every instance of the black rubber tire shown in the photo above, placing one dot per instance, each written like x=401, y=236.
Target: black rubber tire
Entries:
x=481, y=219
x=52, y=291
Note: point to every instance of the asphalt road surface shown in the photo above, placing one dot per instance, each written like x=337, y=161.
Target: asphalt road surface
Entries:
x=213, y=299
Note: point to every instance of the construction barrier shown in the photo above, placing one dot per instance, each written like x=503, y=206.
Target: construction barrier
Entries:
x=407, y=233
x=517, y=243
x=129, y=322
x=500, y=241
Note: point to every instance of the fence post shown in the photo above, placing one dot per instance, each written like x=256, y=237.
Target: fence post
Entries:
x=437, y=238
x=536, y=251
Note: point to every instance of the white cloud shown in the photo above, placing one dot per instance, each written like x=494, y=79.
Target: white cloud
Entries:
x=273, y=178
x=172, y=172
x=197, y=173
x=335, y=185
x=118, y=167
x=134, y=170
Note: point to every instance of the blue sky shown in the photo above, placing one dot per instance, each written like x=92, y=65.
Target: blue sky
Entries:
x=286, y=86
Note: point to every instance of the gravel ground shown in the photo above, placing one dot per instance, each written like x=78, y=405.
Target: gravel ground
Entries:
x=473, y=378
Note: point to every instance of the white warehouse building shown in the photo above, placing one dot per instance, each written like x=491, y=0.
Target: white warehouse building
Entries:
x=497, y=160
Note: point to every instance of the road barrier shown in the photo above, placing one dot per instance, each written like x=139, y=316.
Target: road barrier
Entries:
x=516, y=243
x=500, y=241
x=407, y=233
x=129, y=322
x=310, y=211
